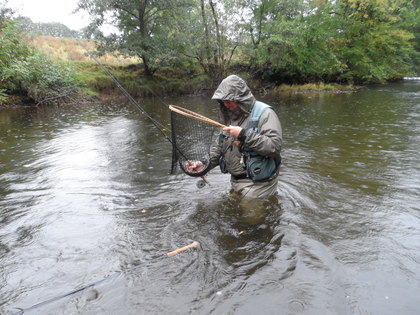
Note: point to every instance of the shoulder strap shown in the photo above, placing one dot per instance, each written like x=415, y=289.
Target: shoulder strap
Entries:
x=257, y=110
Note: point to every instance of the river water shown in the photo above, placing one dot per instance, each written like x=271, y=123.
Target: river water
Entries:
x=85, y=193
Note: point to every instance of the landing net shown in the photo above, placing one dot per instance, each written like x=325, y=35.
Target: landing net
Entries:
x=191, y=140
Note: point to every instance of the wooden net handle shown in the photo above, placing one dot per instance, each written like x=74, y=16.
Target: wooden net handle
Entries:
x=181, y=249
x=191, y=114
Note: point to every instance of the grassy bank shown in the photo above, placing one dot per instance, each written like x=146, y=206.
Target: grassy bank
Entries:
x=128, y=72
x=96, y=81
x=314, y=87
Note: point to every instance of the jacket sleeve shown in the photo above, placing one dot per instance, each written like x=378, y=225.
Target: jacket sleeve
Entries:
x=215, y=152
x=268, y=140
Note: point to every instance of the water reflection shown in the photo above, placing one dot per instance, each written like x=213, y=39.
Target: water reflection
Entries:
x=235, y=245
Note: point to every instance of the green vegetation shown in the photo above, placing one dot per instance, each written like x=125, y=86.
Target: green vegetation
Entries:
x=183, y=46
x=314, y=87
x=149, y=30
x=131, y=77
x=347, y=41
x=281, y=41
x=46, y=29
x=31, y=74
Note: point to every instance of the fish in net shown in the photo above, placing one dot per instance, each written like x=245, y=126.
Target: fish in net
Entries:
x=192, y=137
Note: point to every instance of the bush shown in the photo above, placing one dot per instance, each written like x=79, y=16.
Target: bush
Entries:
x=31, y=74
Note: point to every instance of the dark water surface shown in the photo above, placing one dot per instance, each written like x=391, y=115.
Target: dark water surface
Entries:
x=85, y=193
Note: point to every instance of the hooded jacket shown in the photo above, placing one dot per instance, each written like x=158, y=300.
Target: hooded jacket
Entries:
x=266, y=142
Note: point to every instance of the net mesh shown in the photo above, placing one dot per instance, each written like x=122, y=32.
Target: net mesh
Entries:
x=191, y=141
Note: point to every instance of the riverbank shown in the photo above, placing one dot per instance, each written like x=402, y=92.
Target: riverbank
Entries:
x=98, y=80
x=166, y=82
x=104, y=91
x=169, y=82
x=95, y=84
x=174, y=84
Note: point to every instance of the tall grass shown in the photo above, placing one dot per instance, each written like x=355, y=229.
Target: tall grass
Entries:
x=70, y=49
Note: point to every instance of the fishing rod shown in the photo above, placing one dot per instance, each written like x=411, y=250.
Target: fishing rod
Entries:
x=128, y=95
x=54, y=299
x=159, y=126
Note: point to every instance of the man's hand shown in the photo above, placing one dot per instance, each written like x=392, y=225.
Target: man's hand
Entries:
x=233, y=130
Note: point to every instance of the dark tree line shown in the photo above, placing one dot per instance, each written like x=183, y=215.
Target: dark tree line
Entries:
x=49, y=29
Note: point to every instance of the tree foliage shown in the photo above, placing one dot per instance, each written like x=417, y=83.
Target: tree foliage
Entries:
x=281, y=40
x=48, y=29
x=297, y=46
x=144, y=28
x=212, y=37
x=290, y=41
x=371, y=44
x=343, y=40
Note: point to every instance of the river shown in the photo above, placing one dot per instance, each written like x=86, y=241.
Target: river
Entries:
x=85, y=193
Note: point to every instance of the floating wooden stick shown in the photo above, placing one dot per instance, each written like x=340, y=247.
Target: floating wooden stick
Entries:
x=181, y=249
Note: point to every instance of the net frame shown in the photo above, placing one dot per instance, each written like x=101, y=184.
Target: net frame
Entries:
x=180, y=150
x=194, y=115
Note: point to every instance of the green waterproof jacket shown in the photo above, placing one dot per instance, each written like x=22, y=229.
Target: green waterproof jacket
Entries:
x=266, y=142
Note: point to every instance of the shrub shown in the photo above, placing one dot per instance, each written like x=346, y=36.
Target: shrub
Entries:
x=31, y=74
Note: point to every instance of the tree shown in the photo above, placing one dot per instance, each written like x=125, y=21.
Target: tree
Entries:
x=144, y=28
x=410, y=21
x=344, y=40
x=212, y=38
x=291, y=40
x=371, y=44
x=256, y=16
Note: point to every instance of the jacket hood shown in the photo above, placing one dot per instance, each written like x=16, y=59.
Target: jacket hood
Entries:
x=233, y=88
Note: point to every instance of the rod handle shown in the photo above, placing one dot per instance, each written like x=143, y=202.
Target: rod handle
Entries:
x=181, y=249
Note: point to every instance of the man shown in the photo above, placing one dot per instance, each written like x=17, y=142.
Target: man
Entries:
x=249, y=148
